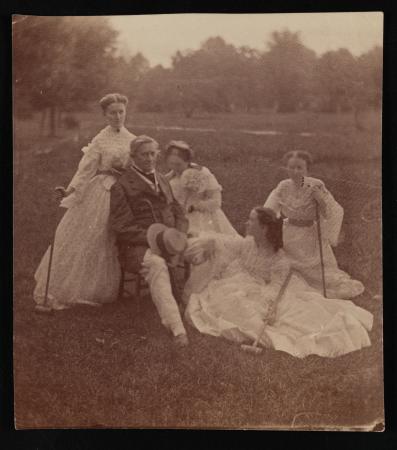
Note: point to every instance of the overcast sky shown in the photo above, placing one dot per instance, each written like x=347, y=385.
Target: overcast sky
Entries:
x=158, y=37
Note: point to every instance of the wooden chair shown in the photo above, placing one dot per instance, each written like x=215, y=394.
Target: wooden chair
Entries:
x=128, y=277
x=140, y=283
x=138, y=278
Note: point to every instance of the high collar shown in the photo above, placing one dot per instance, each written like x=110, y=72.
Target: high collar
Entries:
x=132, y=176
x=138, y=169
x=114, y=131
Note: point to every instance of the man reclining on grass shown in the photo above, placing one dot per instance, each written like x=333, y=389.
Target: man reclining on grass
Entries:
x=140, y=198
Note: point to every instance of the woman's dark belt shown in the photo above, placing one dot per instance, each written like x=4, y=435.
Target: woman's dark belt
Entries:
x=301, y=223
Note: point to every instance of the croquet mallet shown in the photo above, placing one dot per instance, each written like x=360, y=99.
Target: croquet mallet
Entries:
x=254, y=347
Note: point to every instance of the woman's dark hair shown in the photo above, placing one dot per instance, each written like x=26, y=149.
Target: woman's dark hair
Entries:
x=181, y=148
x=274, y=233
x=112, y=98
x=306, y=156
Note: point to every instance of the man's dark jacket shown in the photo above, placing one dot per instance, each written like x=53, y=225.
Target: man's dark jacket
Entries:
x=134, y=206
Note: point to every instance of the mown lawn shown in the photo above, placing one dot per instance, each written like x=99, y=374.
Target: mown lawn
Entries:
x=116, y=367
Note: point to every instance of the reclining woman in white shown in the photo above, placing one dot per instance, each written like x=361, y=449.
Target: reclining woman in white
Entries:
x=238, y=294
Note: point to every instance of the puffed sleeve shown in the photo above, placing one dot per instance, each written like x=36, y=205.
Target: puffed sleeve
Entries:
x=215, y=245
x=211, y=198
x=210, y=253
x=273, y=201
x=87, y=168
x=331, y=222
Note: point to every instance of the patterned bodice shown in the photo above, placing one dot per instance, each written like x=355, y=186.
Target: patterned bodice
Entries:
x=296, y=203
x=113, y=147
x=109, y=149
x=252, y=260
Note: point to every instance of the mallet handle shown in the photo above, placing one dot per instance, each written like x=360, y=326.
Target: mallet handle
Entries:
x=277, y=299
x=320, y=243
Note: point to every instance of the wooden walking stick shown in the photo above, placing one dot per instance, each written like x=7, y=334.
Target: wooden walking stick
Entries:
x=44, y=307
x=320, y=243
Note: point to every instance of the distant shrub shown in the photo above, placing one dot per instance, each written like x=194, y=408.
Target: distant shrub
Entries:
x=70, y=122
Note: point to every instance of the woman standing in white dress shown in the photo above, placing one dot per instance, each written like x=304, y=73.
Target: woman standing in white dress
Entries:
x=239, y=296
x=296, y=200
x=196, y=190
x=85, y=267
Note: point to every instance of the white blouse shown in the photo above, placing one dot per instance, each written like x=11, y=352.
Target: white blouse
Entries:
x=207, y=200
x=109, y=149
x=299, y=204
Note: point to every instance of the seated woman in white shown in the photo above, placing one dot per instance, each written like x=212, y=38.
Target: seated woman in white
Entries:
x=296, y=199
x=238, y=295
x=196, y=190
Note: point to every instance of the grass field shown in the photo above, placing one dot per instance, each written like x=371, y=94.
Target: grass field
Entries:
x=116, y=367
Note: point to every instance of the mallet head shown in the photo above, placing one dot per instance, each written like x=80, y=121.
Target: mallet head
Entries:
x=251, y=349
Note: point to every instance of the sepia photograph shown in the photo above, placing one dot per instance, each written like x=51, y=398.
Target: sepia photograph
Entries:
x=197, y=221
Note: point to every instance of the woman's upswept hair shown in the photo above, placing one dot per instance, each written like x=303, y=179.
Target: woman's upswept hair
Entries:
x=112, y=98
x=182, y=149
x=306, y=156
x=138, y=141
x=274, y=233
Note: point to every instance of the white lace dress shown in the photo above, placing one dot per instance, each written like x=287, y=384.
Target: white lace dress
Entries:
x=85, y=267
x=208, y=215
x=241, y=285
x=301, y=243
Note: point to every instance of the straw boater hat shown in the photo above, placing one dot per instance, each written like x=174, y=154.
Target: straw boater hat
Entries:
x=165, y=241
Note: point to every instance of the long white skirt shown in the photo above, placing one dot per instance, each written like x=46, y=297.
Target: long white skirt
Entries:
x=306, y=323
x=302, y=247
x=85, y=267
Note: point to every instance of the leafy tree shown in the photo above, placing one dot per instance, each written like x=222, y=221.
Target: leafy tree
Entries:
x=370, y=66
x=288, y=70
x=67, y=65
x=126, y=75
x=156, y=91
x=206, y=78
x=336, y=74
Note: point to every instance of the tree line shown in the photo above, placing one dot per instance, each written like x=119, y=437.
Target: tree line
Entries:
x=62, y=64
